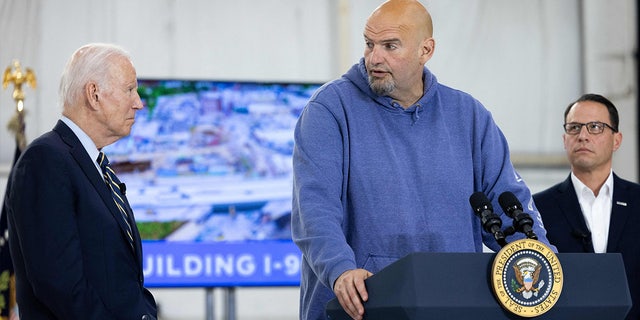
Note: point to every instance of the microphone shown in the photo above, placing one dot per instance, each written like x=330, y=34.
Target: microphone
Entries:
x=522, y=221
x=123, y=188
x=490, y=221
x=585, y=238
x=580, y=234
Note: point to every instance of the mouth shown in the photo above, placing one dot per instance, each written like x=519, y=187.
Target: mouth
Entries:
x=582, y=150
x=378, y=73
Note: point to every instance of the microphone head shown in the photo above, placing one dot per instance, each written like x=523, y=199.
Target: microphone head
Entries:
x=509, y=203
x=580, y=234
x=479, y=202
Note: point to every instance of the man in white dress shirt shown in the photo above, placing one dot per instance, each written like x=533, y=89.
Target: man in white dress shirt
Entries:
x=594, y=210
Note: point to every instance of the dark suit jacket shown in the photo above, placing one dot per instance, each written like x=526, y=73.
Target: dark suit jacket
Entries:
x=567, y=229
x=71, y=257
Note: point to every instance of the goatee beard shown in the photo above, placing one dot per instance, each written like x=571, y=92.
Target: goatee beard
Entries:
x=381, y=87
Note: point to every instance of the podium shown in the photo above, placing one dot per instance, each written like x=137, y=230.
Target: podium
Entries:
x=458, y=286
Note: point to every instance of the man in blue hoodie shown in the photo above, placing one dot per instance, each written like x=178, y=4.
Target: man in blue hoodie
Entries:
x=385, y=160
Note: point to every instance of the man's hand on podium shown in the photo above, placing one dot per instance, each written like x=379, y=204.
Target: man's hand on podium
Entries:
x=351, y=292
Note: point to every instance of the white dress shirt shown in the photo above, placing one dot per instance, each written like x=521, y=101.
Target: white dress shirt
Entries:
x=596, y=210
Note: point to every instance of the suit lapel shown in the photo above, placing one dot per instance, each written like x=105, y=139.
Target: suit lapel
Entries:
x=620, y=210
x=86, y=164
x=570, y=207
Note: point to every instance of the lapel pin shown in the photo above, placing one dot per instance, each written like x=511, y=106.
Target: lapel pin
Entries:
x=620, y=203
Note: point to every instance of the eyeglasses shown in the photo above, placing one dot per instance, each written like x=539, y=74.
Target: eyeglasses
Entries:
x=594, y=127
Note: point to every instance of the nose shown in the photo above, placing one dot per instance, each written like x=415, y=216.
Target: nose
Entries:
x=584, y=133
x=137, y=103
x=375, y=55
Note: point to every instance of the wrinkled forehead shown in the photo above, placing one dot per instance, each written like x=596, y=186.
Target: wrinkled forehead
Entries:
x=387, y=29
x=122, y=71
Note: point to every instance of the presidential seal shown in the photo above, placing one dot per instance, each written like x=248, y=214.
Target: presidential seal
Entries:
x=526, y=278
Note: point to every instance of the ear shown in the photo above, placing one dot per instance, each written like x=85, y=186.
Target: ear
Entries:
x=617, y=140
x=427, y=48
x=91, y=92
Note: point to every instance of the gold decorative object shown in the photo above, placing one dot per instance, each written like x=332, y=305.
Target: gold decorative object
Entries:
x=14, y=74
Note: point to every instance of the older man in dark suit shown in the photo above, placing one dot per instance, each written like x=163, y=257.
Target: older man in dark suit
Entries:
x=73, y=238
x=594, y=210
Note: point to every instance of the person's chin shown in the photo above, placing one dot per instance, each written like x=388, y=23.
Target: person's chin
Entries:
x=127, y=130
x=582, y=162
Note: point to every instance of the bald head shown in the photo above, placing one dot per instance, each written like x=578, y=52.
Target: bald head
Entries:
x=411, y=13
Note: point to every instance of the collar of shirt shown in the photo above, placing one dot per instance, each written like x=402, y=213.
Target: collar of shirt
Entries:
x=583, y=191
x=85, y=140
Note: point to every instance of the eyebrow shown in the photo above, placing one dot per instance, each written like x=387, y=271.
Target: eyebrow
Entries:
x=392, y=40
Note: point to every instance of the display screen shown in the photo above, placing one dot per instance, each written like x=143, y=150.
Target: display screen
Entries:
x=208, y=174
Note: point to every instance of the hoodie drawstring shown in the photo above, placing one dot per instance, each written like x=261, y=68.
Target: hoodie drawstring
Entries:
x=415, y=116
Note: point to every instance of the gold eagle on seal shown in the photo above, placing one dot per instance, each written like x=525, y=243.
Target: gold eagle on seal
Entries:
x=527, y=272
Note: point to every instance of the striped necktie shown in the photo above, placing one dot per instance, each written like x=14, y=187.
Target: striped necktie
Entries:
x=114, y=185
